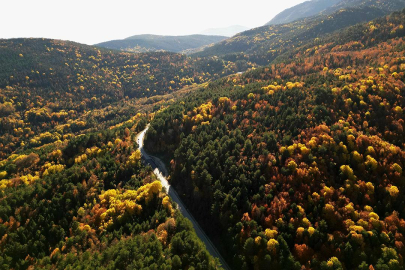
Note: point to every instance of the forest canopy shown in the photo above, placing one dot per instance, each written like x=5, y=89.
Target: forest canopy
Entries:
x=300, y=163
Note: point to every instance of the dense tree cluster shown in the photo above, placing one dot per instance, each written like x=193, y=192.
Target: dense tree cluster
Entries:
x=300, y=164
x=88, y=202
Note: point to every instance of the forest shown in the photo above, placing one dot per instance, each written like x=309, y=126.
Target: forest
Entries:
x=296, y=163
x=299, y=165
x=52, y=89
x=89, y=203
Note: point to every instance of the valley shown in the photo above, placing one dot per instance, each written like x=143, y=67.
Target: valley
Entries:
x=281, y=147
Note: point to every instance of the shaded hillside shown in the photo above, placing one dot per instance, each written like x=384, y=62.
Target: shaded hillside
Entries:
x=262, y=45
x=387, y=5
x=300, y=163
x=306, y=9
x=326, y=7
x=151, y=43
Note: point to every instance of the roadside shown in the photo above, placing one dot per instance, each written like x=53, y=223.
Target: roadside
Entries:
x=161, y=172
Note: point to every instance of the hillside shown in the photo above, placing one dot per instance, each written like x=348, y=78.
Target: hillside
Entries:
x=151, y=43
x=88, y=202
x=326, y=7
x=262, y=45
x=306, y=9
x=49, y=88
x=300, y=163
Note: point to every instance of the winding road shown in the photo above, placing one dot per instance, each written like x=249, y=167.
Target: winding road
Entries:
x=161, y=172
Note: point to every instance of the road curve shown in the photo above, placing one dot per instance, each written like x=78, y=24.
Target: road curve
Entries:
x=161, y=172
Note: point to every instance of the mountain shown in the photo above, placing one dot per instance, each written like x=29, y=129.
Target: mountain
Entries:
x=225, y=31
x=262, y=45
x=326, y=7
x=299, y=164
x=306, y=9
x=150, y=43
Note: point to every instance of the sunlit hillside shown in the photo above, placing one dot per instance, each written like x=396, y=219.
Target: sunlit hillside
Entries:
x=300, y=163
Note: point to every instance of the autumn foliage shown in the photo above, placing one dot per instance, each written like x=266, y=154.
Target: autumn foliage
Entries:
x=303, y=166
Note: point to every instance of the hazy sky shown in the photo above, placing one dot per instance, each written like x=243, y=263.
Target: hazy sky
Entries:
x=90, y=21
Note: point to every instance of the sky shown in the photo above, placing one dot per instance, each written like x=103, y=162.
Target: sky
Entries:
x=91, y=22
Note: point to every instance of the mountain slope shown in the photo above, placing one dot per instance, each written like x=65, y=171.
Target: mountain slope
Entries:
x=150, y=43
x=326, y=7
x=89, y=203
x=262, y=45
x=306, y=9
x=300, y=163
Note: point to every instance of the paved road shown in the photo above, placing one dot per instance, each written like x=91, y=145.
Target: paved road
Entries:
x=161, y=172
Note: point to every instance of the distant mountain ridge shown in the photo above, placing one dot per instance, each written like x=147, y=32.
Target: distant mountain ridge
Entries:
x=306, y=9
x=263, y=44
x=326, y=7
x=150, y=43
